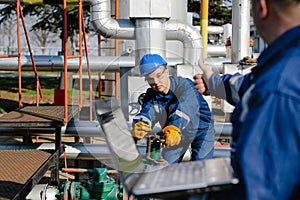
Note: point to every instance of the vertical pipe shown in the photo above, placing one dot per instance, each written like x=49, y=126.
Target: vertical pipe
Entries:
x=65, y=61
x=240, y=29
x=100, y=82
x=100, y=73
x=88, y=68
x=80, y=52
x=204, y=25
x=150, y=37
x=117, y=52
x=19, y=54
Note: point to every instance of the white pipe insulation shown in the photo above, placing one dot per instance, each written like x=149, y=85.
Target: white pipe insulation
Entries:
x=125, y=29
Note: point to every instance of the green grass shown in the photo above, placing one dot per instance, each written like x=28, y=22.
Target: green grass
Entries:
x=9, y=92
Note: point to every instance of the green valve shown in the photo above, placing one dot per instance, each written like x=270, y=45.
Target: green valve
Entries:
x=102, y=186
x=155, y=149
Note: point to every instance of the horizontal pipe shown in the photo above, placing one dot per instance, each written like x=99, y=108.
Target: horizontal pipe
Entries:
x=216, y=50
x=55, y=63
x=97, y=64
x=90, y=151
x=222, y=130
x=92, y=129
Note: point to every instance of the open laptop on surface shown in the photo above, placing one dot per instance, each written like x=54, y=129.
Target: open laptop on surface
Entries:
x=162, y=181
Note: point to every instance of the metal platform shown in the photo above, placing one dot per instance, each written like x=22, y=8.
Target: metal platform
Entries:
x=20, y=170
x=32, y=118
x=37, y=116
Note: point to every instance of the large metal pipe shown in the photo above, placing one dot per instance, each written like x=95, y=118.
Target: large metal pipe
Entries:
x=124, y=29
x=240, y=29
x=88, y=151
x=189, y=36
x=150, y=37
x=92, y=129
x=104, y=24
x=103, y=63
x=216, y=50
x=55, y=63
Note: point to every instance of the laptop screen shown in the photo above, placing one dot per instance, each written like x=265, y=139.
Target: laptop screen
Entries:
x=125, y=155
x=214, y=173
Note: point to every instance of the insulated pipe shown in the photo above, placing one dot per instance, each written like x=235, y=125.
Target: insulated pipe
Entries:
x=150, y=37
x=107, y=26
x=240, y=29
x=92, y=128
x=189, y=36
x=55, y=63
x=124, y=29
x=89, y=151
x=216, y=50
x=104, y=63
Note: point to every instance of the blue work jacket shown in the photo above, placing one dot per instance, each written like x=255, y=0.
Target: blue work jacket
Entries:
x=182, y=107
x=266, y=122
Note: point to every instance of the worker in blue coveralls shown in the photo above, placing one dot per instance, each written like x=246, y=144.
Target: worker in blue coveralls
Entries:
x=183, y=113
x=266, y=119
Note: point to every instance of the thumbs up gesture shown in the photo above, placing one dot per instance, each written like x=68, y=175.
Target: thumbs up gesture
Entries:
x=201, y=80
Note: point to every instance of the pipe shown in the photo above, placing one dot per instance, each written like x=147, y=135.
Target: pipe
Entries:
x=216, y=64
x=150, y=38
x=240, y=29
x=55, y=63
x=216, y=50
x=223, y=130
x=92, y=129
x=105, y=25
x=204, y=25
x=125, y=29
x=189, y=36
x=89, y=151
x=104, y=63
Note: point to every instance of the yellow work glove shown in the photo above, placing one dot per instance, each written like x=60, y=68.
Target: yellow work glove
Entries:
x=172, y=134
x=140, y=130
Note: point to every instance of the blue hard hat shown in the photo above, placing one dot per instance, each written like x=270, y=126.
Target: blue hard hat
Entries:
x=151, y=62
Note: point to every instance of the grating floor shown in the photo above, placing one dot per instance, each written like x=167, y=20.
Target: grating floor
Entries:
x=16, y=168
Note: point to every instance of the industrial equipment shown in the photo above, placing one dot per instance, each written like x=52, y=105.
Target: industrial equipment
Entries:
x=155, y=143
x=99, y=185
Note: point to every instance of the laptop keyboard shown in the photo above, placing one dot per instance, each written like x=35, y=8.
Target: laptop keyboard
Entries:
x=186, y=173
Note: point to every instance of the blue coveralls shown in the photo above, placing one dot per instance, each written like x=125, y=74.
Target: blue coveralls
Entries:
x=266, y=122
x=186, y=109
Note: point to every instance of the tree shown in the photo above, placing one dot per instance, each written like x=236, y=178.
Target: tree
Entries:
x=8, y=28
x=219, y=12
x=49, y=19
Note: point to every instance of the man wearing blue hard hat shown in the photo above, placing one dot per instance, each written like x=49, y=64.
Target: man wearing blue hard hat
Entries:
x=181, y=111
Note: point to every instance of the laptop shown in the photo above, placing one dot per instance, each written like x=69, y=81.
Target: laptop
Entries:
x=159, y=181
